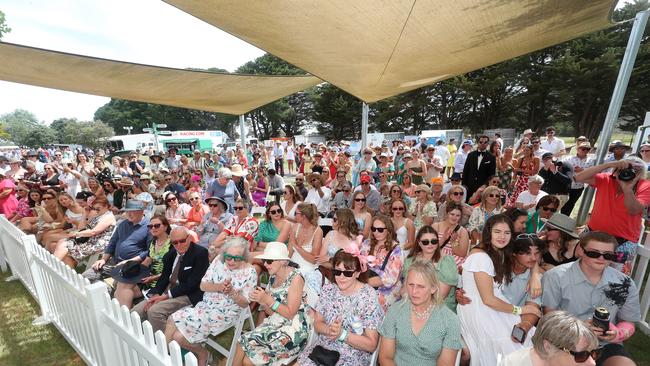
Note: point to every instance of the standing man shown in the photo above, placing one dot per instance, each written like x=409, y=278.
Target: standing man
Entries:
x=580, y=161
x=497, y=138
x=553, y=144
x=278, y=153
x=556, y=178
x=461, y=157
x=443, y=153
x=319, y=195
x=617, y=151
x=479, y=166
x=172, y=160
x=435, y=164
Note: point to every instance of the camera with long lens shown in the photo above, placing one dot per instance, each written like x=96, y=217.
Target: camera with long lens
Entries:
x=626, y=174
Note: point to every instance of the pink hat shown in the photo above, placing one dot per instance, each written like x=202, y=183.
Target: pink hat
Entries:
x=196, y=178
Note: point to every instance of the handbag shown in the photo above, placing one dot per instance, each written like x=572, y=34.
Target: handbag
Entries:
x=324, y=357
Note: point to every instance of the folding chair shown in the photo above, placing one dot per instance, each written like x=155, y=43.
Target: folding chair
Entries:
x=258, y=211
x=244, y=314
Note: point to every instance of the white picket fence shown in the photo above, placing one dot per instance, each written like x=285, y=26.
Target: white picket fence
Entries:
x=641, y=276
x=102, y=332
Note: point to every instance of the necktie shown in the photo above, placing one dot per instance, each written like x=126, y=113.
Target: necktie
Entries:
x=173, y=279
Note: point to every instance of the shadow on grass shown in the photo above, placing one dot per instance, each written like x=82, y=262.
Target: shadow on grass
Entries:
x=21, y=343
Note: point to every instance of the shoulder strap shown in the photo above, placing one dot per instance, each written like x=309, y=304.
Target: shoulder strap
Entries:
x=449, y=237
x=383, y=265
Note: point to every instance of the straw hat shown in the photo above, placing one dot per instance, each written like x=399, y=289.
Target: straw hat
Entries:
x=618, y=143
x=237, y=170
x=275, y=251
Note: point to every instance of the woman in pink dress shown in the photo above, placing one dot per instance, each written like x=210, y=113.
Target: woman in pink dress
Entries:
x=8, y=201
x=261, y=189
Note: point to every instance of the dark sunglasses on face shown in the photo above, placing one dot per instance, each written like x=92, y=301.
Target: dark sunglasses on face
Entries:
x=237, y=258
x=456, y=193
x=195, y=198
x=268, y=262
x=377, y=229
x=395, y=191
x=299, y=179
x=582, y=356
x=587, y=149
x=47, y=198
x=154, y=226
x=549, y=209
x=641, y=150
x=398, y=208
x=493, y=195
x=238, y=208
x=177, y=242
x=360, y=199
x=278, y=211
x=596, y=254
x=171, y=199
x=338, y=272
x=428, y=242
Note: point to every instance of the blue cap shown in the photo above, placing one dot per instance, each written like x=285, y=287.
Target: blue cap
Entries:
x=468, y=142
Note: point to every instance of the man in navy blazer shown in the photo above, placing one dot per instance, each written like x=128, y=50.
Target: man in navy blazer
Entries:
x=180, y=281
x=479, y=166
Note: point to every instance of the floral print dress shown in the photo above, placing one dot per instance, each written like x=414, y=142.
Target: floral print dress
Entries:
x=429, y=209
x=362, y=307
x=95, y=244
x=278, y=339
x=216, y=309
x=389, y=274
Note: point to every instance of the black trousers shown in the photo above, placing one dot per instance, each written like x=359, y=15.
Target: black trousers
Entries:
x=279, y=166
x=574, y=194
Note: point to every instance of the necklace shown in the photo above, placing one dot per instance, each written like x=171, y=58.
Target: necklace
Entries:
x=422, y=314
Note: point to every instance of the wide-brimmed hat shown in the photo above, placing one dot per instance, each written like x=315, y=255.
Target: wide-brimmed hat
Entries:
x=15, y=161
x=145, y=176
x=275, y=251
x=584, y=144
x=133, y=205
x=527, y=131
x=155, y=155
x=618, y=143
x=223, y=202
x=130, y=272
x=563, y=223
x=125, y=181
x=238, y=171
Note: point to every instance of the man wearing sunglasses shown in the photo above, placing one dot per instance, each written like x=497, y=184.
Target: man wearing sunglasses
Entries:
x=556, y=178
x=180, y=280
x=588, y=283
x=318, y=195
x=479, y=166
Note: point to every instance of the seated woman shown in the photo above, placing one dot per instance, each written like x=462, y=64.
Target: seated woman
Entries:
x=242, y=224
x=428, y=249
x=420, y=330
x=405, y=232
x=348, y=313
x=75, y=218
x=284, y=332
x=455, y=194
x=214, y=221
x=454, y=239
x=546, y=207
x=175, y=212
x=92, y=239
x=562, y=240
x=48, y=212
x=304, y=246
x=362, y=214
x=385, y=265
x=490, y=205
x=197, y=210
x=275, y=227
x=487, y=321
x=24, y=205
x=291, y=199
x=160, y=244
x=227, y=285
x=344, y=233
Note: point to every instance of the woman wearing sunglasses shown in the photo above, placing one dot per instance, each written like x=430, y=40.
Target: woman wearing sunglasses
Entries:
x=562, y=240
x=546, y=207
x=405, y=231
x=362, y=215
x=428, y=249
x=290, y=202
x=175, y=211
x=197, y=210
x=420, y=330
x=453, y=237
x=227, y=285
x=455, y=194
x=160, y=244
x=284, y=331
x=488, y=320
x=348, y=314
x=242, y=224
x=274, y=227
x=396, y=192
x=23, y=209
x=407, y=186
x=560, y=340
x=490, y=206
x=423, y=209
x=385, y=265
x=49, y=211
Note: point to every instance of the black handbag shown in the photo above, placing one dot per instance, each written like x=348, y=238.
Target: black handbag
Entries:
x=324, y=357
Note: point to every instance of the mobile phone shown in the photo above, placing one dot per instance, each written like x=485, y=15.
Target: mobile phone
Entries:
x=518, y=334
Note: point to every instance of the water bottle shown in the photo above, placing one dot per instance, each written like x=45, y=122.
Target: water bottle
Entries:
x=357, y=326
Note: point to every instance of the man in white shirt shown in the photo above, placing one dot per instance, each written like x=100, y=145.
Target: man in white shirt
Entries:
x=461, y=156
x=278, y=154
x=434, y=163
x=579, y=162
x=443, y=153
x=552, y=144
x=537, y=151
x=497, y=138
x=318, y=194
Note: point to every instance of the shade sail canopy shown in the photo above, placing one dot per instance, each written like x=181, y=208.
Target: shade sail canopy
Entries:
x=216, y=92
x=374, y=49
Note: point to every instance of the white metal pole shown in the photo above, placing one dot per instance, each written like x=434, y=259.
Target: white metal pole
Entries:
x=364, y=125
x=623, y=79
x=242, y=135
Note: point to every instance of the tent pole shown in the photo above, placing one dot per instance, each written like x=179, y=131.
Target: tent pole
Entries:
x=615, y=103
x=364, y=125
x=242, y=135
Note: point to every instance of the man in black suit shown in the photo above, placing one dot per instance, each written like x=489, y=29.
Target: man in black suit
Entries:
x=180, y=281
x=479, y=166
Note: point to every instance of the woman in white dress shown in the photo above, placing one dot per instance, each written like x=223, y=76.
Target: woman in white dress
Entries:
x=290, y=203
x=487, y=322
x=291, y=157
x=405, y=229
x=305, y=243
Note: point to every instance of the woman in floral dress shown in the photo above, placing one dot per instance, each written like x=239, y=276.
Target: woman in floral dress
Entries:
x=526, y=166
x=228, y=284
x=284, y=332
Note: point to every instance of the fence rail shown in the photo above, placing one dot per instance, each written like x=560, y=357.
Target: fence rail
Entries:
x=102, y=332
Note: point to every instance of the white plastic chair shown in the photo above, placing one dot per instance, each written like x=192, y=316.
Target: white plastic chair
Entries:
x=375, y=356
x=258, y=210
x=244, y=314
x=325, y=221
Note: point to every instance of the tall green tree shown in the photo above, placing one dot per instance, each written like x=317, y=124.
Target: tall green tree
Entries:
x=337, y=113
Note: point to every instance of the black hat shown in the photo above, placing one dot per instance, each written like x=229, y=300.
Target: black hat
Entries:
x=130, y=272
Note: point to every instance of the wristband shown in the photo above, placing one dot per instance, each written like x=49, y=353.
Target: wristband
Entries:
x=516, y=310
x=275, y=306
x=343, y=336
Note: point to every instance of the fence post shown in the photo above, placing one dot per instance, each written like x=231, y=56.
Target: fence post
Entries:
x=47, y=315
x=96, y=293
x=3, y=256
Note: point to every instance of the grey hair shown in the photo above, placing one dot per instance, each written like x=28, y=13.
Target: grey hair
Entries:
x=559, y=329
x=535, y=179
x=182, y=229
x=225, y=173
x=235, y=242
x=638, y=164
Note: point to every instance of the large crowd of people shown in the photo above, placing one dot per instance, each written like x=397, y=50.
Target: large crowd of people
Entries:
x=411, y=252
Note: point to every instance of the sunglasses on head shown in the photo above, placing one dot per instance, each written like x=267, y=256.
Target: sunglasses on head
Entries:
x=545, y=208
x=177, y=242
x=426, y=242
x=338, y=272
x=377, y=229
x=526, y=236
x=154, y=226
x=581, y=356
x=273, y=212
x=236, y=258
x=596, y=254
x=238, y=208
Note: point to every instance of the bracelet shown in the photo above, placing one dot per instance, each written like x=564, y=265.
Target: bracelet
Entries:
x=343, y=336
x=516, y=310
x=275, y=306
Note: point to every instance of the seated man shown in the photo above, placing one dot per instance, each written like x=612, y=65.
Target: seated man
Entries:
x=180, y=280
x=129, y=241
x=582, y=286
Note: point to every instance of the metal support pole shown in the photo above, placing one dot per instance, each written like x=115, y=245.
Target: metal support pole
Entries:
x=623, y=79
x=364, y=126
x=242, y=134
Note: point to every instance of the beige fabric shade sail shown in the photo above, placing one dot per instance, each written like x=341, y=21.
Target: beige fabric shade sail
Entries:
x=216, y=92
x=374, y=49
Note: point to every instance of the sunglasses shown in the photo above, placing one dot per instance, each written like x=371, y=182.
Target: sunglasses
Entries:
x=195, y=198
x=527, y=236
x=493, y=195
x=587, y=149
x=154, y=226
x=549, y=209
x=395, y=191
x=377, y=229
x=398, y=208
x=456, y=193
x=236, y=258
x=643, y=151
x=299, y=180
x=365, y=184
x=177, y=242
x=278, y=211
x=581, y=356
x=47, y=198
x=94, y=209
x=428, y=242
x=360, y=199
x=172, y=199
x=268, y=262
x=238, y=208
x=338, y=272
x=596, y=254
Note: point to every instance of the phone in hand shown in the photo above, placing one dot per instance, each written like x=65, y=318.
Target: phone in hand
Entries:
x=518, y=334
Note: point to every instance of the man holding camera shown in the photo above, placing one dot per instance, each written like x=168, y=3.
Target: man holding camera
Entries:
x=603, y=297
x=556, y=178
x=621, y=198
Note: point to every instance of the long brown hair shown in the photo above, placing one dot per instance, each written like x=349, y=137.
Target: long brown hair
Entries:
x=501, y=258
x=391, y=237
x=346, y=223
x=309, y=211
x=426, y=229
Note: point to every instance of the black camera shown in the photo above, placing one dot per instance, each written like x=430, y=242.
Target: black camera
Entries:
x=626, y=174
